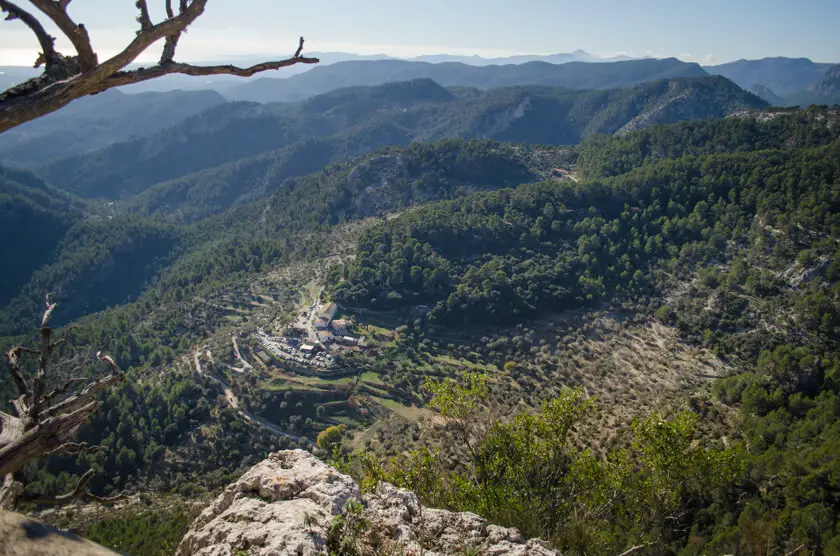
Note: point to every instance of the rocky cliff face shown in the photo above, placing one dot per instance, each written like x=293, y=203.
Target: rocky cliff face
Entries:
x=830, y=84
x=293, y=503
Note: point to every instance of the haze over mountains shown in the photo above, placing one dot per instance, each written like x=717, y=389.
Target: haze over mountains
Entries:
x=779, y=80
x=661, y=234
x=297, y=138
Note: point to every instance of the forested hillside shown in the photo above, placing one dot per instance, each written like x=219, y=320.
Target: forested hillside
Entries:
x=515, y=253
x=33, y=219
x=456, y=252
x=301, y=139
x=737, y=250
x=94, y=122
x=176, y=260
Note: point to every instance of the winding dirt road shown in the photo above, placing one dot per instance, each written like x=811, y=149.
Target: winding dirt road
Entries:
x=233, y=402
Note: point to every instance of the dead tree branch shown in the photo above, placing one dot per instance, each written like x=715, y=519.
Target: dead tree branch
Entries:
x=67, y=78
x=48, y=55
x=75, y=448
x=44, y=427
x=634, y=549
x=76, y=32
x=79, y=492
x=143, y=19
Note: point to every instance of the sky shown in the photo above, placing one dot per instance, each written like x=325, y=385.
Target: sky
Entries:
x=708, y=31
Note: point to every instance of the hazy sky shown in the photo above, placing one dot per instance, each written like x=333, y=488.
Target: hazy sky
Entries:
x=707, y=31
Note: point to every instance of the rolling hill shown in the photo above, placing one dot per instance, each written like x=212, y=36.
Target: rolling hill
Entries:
x=783, y=76
x=93, y=122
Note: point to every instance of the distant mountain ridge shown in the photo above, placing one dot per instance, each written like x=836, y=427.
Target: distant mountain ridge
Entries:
x=572, y=75
x=783, y=81
x=239, y=152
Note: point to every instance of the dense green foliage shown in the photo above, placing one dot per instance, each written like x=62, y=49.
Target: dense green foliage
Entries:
x=33, y=219
x=138, y=423
x=610, y=156
x=171, y=262
x=740, y=228
x=527, y=473
x=273, y=203
x=146, y=533
x=507, y=255
x=726, y=230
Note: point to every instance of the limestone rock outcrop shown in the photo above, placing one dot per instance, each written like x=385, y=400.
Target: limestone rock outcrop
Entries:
x=290, y=503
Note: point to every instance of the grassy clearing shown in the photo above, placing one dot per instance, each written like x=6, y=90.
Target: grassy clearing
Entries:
x=371, y=378
x=276, y=385
x=409, y=413
x=379, y=391
x=349, y=421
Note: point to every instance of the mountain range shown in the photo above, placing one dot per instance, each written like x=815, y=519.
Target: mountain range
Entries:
x=779, y=80
x=236, y=152
x=654, y=234
x=572, y=75
x=783, y=76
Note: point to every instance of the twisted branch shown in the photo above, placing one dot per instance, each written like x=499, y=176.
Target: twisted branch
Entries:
x=75, y=448
x=48, y=54
x=78, y=35
x=42, y=429
x=143, y=19
x=79, y=493
x=70, y=78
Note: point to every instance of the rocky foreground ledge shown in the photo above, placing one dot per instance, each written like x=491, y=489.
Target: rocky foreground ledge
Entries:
x=288, y=503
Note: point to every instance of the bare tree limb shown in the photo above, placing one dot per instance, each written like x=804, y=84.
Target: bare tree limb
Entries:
x=79, y=492
x=77, y=33
x=144, y=39
x=13, y=357
x=143, y=19
x=43, y=437
x=68, y=78
x=10, y=491
x=634, y=549
x=41, y=429
x=74, y=448
x=62, y=389
x=84, y=397
x=43, y=360
x=49, y=308
x=48, y=54
x=144, y=74
x=171, y=42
